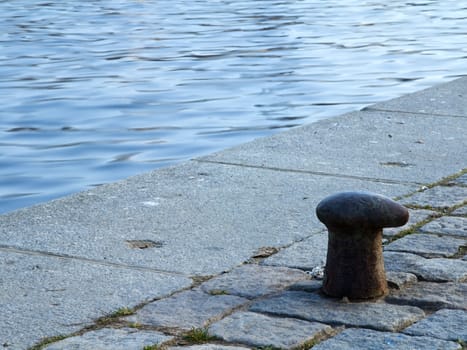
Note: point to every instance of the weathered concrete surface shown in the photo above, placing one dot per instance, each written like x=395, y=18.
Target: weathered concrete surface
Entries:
x=314, y=307
x=366, y=339
x=258, y=330
x=43, y=296
x=376, y=145
x=206, y=217
x=110, y=338
x=443, y=100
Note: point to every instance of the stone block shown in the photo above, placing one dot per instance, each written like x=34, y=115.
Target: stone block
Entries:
x=427, y=245
x=207, y=347
x=447, y=225
x=462, y=211
x=306, y=255
x=259, y=330
x=186, y=310
x=366, y=339
x=415, y=216
x=252, y=281
x=314, y=307
x=398, y=280
x=307, y=286
x=444, y=324
x=461, y=180
x=441, y=197
x=436, y=269
x=111, y=338
x=433, y=296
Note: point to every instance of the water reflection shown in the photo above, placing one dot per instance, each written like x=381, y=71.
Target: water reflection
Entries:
x=95, y=91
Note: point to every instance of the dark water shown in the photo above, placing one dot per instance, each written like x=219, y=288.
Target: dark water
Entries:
x=95, y=91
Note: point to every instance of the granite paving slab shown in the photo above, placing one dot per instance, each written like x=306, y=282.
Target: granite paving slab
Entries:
x=259, y=330
x=399, y=280
x=447, y=225
x=461, y=180
x=435, y=269
x=44, y=296
x=444, y=324
x=433, y=296
x=444, y=100
x=462, y=211
x=314, y=307
x=427, y=245
x=186, y=310
x=196, y=218
x=306, y=255
x=366, y=339
x=207, y=347
x=252, y=281
x=415, y=216
x=307, y=286
x=111, y=339
x=441, y=197
x=379, y=145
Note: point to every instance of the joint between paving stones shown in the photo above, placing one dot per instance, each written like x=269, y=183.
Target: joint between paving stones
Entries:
x=309, y=172
x=373, y=109
x=445, y=181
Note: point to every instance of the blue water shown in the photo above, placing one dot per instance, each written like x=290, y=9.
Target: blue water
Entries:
x=95, y=91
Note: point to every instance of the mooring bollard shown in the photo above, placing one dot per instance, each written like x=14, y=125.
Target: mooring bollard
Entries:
x=355, y=222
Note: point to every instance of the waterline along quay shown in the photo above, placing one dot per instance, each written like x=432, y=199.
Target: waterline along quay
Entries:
x=93, y=92
x=226, y=249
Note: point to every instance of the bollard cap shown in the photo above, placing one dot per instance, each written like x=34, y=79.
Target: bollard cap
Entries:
x=361, y=210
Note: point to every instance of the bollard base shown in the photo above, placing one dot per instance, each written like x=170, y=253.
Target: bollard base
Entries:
x=355, y=266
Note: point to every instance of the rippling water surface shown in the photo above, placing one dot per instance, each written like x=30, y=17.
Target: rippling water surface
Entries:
x=95, y=91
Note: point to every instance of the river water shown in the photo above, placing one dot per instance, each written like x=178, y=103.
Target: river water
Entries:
x=95, y=91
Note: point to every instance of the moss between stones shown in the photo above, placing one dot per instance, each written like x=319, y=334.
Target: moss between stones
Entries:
x=218, y=292
x=152, y=347
x=113, y=317
x=49, y=340
x=198, y=336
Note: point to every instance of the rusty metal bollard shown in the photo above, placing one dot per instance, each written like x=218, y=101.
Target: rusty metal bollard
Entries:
x=355, y=222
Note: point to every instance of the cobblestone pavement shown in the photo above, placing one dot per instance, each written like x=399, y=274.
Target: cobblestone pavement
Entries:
x=274, y=299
